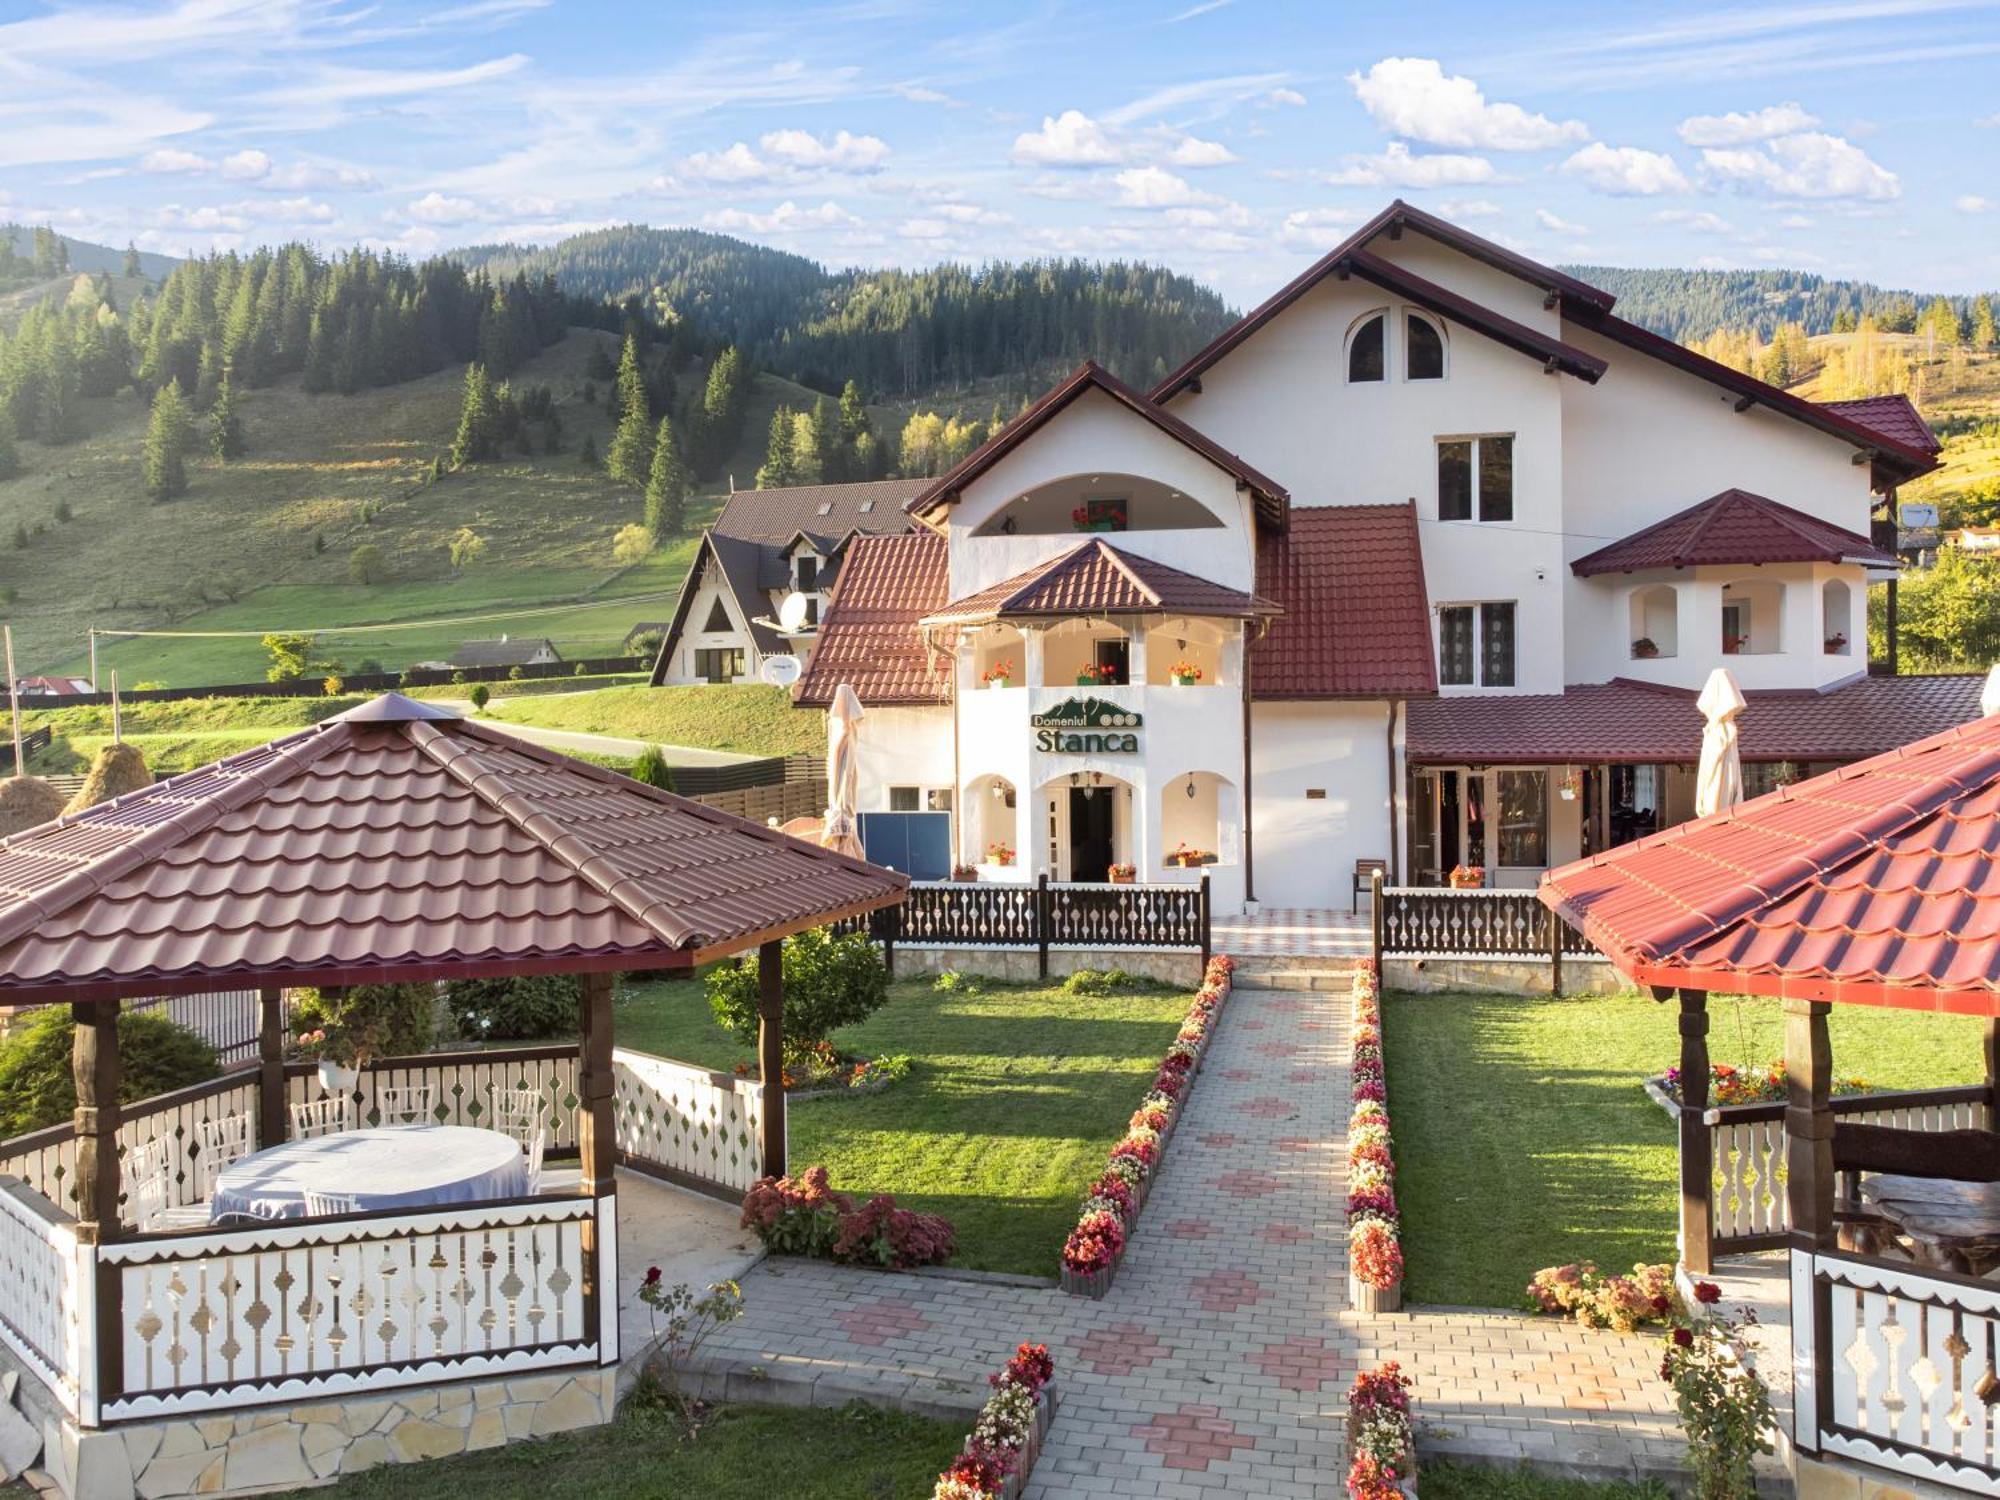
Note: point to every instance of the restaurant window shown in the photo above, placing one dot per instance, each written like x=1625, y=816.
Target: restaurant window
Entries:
x=1476, y=478
x=1365, y=354
x=1524, y=818
x=718, y=664
x=1423, y=348
x=1476, y=645
x=718, y=619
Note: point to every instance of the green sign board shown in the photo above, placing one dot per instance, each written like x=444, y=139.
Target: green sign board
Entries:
x=1086, y=726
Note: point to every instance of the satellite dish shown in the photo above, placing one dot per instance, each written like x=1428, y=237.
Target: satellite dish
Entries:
x=792, y=613
x=781, y=671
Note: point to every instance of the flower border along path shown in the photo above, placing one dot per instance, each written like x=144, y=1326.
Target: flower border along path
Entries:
x=1374, y=1227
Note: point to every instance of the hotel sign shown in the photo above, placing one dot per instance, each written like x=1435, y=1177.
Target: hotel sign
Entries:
x=1086, y=726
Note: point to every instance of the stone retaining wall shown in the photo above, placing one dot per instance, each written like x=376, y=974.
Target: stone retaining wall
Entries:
x=1498, y=976
x=1020, y=965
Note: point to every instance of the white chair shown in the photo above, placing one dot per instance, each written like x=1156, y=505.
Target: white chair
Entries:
x=535, y=1149
x=222, y=1141
x=318, y=1117
x=405, y=1106
x=517, y=1112
x=328, y=1205
x=149, y=1172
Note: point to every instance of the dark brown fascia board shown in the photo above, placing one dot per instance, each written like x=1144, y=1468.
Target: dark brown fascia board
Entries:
x=1552, y=352
x=690, y=582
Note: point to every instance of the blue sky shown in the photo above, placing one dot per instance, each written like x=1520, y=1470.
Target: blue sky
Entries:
x=1231, y=139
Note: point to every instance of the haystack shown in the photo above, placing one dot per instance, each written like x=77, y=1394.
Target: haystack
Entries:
x=27, y=802
x=119, y=769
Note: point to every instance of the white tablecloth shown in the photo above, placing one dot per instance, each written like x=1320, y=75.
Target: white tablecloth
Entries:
x=397, y=1166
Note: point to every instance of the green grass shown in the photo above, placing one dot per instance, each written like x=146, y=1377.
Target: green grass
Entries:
x=1015, y=1096
x=1524, y=1140
x=744, y=1453
x=754, y=720
x=1476, y=1482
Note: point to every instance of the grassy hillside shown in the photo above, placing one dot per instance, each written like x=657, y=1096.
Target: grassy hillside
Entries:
x=750, y=720
x=262, y=543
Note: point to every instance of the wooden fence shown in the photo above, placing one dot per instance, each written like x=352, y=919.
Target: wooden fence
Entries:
x=1437, y=922
x=33, y=741
x=1048, y=914
x=687, y=1125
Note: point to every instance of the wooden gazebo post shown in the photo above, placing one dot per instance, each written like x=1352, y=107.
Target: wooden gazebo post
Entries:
x=1696, y=1151
x=596, y=1125
x=771, y=1052
x=94, y=1059
x=270, y=1068
x=1809, y=1124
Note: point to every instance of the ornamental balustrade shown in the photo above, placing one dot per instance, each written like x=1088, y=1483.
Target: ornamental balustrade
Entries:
x=463, y=1086
x=687, y=1124
x=1436, y=922
x=44, y=1289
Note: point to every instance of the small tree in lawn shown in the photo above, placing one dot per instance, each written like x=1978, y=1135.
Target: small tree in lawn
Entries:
x=290, y=656
x=225, y=427
x=465, y=548
x=631, y=454
x=830, y=982
x=480, y=695
x=366, y=565
x=650, y=766
x=166, y=441
x=631, y=545
x=667, y=485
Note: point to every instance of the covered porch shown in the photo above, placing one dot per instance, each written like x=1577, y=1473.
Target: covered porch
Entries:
x=397, y=844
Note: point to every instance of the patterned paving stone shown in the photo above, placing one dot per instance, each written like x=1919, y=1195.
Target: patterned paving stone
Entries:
x=1192, y=1437
x=1119, y=1349
x=1284, y=1234
x=1267, y=1107
x=1302, y=1364
x=1191, y=1229
x=1225, y=1291
x=1246, y=1184
x=876, y=1323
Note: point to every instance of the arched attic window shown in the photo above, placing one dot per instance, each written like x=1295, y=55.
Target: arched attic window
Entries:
x=1367, y=351
x=1423, y=348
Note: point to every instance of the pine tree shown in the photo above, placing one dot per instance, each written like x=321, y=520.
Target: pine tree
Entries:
x=780, y=454
x=225, y=427
x=630, y=378
x=587, y=454
x=478, y=436
x=854, y=426
x=1983, y=331
x=667, y=485
x=10, y=456
x=721, y=422
x=631, y=454
x=132, y=265
x=166, y=442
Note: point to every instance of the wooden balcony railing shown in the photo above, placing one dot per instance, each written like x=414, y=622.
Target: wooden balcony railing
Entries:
x=1436, y=922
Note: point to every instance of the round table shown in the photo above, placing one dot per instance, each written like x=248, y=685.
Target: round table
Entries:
x=397, y=1166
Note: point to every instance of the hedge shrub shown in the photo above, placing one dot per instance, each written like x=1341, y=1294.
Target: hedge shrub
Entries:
x=526, y=1009
x=38, y=1088
x=390, y=1020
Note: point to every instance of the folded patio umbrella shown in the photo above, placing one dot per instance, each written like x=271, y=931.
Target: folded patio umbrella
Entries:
x=1718, y=780
x=843, y=722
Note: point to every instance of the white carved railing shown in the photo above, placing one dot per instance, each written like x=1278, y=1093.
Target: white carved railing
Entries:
x=463, y=1086
x=278, y=1312
x=694, y=1123
x=1898, y=1367
x=46, y=1287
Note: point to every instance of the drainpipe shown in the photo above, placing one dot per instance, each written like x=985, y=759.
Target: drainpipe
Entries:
x=1395, y=863
x=1249, y=817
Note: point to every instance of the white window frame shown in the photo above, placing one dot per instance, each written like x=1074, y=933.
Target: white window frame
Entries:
x=1444, y=346
x=1479, y=608
x=1347, y=347
x=1472, y=518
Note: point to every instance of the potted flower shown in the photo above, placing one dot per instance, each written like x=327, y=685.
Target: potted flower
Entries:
x=1186, y=857
x=1467, y=877
x=1732, y=645
x=1124, y=874
x=346, y=1030
x=1096, y=674
x=1836, y=644
x=1643, y=649
x=999, y=854
x=1184, y=674
x=998, y=675
x=1098, y=515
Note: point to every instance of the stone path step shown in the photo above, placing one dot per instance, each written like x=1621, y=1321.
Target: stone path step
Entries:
x=1331, y=975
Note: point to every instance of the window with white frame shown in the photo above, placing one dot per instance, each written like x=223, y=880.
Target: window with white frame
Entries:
x=1476, y=644
x=1368, y=349
x=1476, y=478
x=1423, y=347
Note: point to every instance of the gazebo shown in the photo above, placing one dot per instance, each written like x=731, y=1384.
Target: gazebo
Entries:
x=1877, y=885
x=396, y=843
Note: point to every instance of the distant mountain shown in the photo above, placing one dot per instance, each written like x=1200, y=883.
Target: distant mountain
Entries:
x=1693, y=304
x=900, y=333
x=85, y=256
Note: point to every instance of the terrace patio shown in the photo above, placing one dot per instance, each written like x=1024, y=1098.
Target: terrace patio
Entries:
x=394, y=844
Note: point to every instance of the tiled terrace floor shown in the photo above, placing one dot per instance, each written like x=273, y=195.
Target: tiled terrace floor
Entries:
x=1293, y=936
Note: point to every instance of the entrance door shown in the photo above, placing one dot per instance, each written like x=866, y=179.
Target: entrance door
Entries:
x=1448, y=815
x=1090, y=833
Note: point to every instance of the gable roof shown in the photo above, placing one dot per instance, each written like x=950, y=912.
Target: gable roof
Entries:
x=1272, y=498
x=398, y=842
x=1733, y=527
x=1877, y=884
x=824, y=512
x=1356, y=621
x=1894, y=417
x=869, y=637
x=504, y=651
x=1096, y=578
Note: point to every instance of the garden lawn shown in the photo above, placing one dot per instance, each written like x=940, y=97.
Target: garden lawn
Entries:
x=749, y=719
x=1523, y=1138
x=744, y=1453
x=1015, y=1094
x=1477, y=1482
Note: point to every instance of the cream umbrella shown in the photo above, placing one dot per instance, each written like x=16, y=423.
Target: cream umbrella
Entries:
x=842, y=833
x=1989, y=696
x=1718, y=781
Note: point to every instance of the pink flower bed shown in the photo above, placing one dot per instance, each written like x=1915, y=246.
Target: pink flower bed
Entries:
x=1381, y=1441
x=1007, y=1436
x=1374, y=1227
x=1112, y=1203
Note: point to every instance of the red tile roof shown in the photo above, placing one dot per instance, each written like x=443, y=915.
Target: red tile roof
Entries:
x=869, y=637
x=1894, y=417
x=1733, y=527
x=1272, y=498
x=1096, y=578
x=1624, y=720
x=397, y=842
x=1356, y=622
x=1876, y=884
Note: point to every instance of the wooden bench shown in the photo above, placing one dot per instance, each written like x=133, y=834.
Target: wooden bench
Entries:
x=1365, y=871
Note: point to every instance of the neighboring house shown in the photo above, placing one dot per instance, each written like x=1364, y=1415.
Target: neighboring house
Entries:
x=764, y=545
x=506, y=651
x=1975, y=538
x=53, y=687
x=1451, y=547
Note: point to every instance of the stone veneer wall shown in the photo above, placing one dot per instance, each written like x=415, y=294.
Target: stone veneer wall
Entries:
x=281, y=1447
x=1498, y=976
x=1019, y=965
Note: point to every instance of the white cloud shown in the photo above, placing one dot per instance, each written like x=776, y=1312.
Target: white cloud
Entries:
x=246, y=166
x=1188, y=151
x=173, y=160
x=1154, y=187
x=1972, y=203
x=439, y=208
x=1557, y=225
x=1317, y=228
x=1738, y=128
x=1412, y=97
x=1067, y=188
x=970, y=213
x=844, y=153
x=1398, y=166
x=1699, y=220
x=1808, y=165
x=1285, y=96
x=786, y=218
x=1626, y=170
x=203, y=219
x=918, y=93
x=1070, y=139
x=1988, y=122
x=1796, y=221
x=349, y=85
x=924, y=229
x=1468, y=208
x=737, y=164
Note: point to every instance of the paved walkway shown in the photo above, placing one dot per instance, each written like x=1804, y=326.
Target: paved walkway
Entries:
x=1220, y=1360
x=1294, y=936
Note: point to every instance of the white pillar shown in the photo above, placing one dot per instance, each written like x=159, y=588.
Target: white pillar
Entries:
x=1031, y=657
x=1135, y=652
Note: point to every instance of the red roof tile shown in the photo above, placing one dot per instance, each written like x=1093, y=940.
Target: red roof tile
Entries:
x=1096, y=578
x=1356, y=621
x=397, y=842
x=869, y=636
x=1894, y=417
x=1638, y=721
x=1733, y=527
x=1875, y=884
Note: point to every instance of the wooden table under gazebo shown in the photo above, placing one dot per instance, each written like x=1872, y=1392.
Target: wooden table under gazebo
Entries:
x=1877, y=885
x=396, y=843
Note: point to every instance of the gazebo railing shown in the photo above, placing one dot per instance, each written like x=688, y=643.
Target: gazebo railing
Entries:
x=47, y=1280
x=686, y=1124
x=463, y=1085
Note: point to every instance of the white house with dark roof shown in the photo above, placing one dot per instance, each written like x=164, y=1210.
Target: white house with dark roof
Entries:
x=1420, y=561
